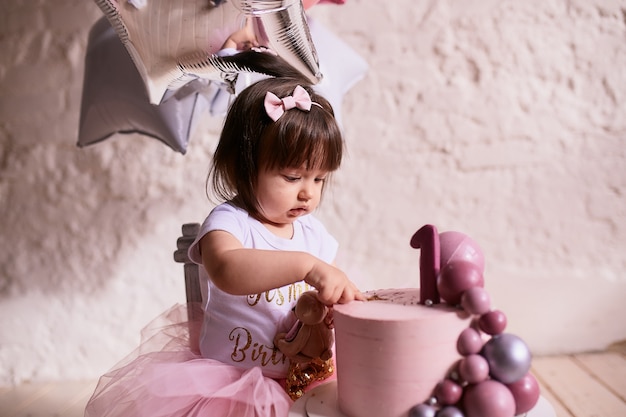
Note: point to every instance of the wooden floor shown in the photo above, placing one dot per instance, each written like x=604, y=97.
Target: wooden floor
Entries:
x=582, y=385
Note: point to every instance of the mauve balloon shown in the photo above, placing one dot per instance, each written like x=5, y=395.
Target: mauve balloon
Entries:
x=493, y=322
x=448, y=392
x=476, y=301
x=473, y=369
x=456, y=277
x=457, y=246
x=488, y=399
x=526, y=393
x=470, y=341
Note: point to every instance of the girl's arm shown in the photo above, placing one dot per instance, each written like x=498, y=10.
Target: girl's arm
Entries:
x=242, y=271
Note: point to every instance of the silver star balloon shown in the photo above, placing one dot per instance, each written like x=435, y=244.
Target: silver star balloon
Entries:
x=173, y=42
x=115, y=100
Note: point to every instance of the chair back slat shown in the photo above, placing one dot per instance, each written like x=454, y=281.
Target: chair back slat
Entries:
x=192, y=282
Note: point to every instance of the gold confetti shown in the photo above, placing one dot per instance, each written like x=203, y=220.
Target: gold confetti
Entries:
x=301, y=375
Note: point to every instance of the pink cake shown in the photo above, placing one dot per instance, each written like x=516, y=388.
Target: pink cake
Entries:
x=440, y=351
x=392, y=351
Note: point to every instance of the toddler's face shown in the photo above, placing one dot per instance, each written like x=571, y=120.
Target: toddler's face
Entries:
x=288, y=193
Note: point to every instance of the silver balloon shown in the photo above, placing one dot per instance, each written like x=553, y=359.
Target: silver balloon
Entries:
x=422, y=410
x=173, y=42
x=114, y=99
x=342, y=67
x=508, y=356
x=450, y=411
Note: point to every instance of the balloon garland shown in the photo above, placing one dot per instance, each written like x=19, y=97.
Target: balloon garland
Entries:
x=492, y=378
x=173, y=42
x=137, y=40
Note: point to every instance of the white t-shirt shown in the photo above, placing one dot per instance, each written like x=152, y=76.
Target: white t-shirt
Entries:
x=240, y=330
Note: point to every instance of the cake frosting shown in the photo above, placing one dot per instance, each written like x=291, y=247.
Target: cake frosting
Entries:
x=391, y=351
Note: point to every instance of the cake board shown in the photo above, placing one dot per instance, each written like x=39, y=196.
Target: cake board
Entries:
x=321, y=401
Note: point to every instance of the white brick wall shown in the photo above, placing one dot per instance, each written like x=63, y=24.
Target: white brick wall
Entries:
x=501, y=119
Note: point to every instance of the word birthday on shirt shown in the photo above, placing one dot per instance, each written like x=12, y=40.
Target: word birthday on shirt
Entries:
x=278, y=296
x=258, y=352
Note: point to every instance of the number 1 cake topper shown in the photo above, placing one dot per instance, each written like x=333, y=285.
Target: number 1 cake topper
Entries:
x=450, y=263
x=427, y=240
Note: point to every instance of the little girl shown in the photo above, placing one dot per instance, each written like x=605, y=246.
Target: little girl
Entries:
x=261, y=248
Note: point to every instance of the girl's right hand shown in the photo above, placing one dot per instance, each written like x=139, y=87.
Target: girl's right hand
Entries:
x=332, y=284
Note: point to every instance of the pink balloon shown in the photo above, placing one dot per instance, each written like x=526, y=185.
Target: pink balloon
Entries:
x=456, y=277
x=307, y=4
x=448, y=392
x=474, y=369
x=493, y=322
x=456, y=246
x=469, y=342
x=476, y=301
x=488, y=399
x=525, y=392
x=310, y=3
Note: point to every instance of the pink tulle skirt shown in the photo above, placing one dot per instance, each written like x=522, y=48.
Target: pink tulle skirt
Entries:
x=163, y=377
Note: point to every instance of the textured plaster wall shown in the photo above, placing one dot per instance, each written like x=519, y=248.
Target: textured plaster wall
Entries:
x=501, y=119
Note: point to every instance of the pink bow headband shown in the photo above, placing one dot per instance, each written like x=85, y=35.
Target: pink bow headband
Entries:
x=275, y=107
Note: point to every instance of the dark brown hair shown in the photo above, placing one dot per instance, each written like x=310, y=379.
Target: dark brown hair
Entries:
x=250, y=141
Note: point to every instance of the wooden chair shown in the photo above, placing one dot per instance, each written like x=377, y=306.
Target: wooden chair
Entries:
x=192, y=282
